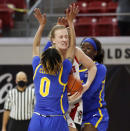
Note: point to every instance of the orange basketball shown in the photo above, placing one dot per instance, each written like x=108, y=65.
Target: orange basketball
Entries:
x=74, y=85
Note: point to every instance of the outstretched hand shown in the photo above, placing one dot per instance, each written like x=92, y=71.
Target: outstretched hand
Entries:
x=72, y=12
x=39, y=16
x=62, y=21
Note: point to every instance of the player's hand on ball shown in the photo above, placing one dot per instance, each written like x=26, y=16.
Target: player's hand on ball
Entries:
x=75, y=97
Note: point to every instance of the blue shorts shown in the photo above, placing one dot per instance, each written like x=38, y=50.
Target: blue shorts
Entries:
x=99, y=119
x=55, y=123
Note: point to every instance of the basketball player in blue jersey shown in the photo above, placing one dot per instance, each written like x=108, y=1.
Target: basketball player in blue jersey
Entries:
x=50, y=79
x=95, y=115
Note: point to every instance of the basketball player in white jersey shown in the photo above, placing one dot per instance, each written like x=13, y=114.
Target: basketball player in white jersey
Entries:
x=61, y=42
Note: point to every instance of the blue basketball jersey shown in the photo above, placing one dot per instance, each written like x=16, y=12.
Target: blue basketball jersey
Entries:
x=94, y=96
x=50, y=89
x=94, y=111
x=51, y=98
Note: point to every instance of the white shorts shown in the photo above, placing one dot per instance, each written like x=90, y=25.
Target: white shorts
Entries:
x=75, y=115
x=70, y=121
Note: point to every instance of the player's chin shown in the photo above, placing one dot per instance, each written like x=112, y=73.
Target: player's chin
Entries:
x=64, y=48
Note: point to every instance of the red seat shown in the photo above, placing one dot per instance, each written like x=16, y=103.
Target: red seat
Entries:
x=3, y=1
x=112, y=6
x=83, y=6
x=107, y=26
x=85, y=26
x=6, y=15
x=97, y=7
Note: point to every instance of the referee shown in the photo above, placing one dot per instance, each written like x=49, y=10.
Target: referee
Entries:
x=19, y=105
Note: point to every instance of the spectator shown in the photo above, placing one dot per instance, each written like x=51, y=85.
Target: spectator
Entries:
x=19, y=105
x=123, y=20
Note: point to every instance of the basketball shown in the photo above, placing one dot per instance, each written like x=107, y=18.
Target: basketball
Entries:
x=74, y=85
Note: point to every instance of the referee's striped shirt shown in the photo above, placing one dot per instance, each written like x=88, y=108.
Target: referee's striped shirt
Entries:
x=20, y=104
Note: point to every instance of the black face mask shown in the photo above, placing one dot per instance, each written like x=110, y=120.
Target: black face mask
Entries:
x=21, y=84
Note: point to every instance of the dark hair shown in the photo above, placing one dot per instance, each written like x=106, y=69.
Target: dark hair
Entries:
x=100, y=53
x=51, y=61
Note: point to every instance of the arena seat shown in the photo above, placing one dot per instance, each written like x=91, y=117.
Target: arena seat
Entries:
x=85, y=26
x=107, y=26
x=83, y=6
x=3, y=1
x=97, y=7
x=6, y=15
x=112, y=6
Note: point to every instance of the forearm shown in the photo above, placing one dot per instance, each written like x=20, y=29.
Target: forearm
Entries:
x=5, y=119
x=91, y=75
x=72, y=35
x=71, y=50
x=87, y=63
x=38, y=35
x=37, y=40
x=41, y=18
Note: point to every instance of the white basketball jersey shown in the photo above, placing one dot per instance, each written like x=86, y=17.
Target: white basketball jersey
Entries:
x=77, y=114
x=75, y=68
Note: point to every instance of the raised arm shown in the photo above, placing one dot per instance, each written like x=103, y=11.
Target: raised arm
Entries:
x=41, y=18
x=70, y=14
x=63, y=20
